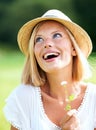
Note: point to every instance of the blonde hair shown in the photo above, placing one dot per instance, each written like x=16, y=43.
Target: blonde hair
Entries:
x=81, y=67
x=34, y=75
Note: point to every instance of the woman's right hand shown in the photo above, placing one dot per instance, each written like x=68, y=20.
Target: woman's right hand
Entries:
x=70, y=121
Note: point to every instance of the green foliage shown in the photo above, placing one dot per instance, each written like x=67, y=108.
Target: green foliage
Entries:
x=86, y=11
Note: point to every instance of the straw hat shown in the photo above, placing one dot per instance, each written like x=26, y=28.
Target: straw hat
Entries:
x=80, y=35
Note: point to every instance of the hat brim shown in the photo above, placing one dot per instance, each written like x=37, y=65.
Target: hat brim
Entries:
x=82, y=38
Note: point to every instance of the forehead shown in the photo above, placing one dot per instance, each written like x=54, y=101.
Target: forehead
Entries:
x=50, y=22
x=50, y=25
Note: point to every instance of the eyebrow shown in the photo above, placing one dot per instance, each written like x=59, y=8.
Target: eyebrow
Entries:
x=51, y=33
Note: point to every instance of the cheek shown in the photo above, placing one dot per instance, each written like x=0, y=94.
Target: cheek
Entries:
x=66, y=49
x=36, y=50
x=37, y=54
x=67, y=46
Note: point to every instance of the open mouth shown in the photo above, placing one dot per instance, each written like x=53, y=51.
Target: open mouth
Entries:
x=51, y=55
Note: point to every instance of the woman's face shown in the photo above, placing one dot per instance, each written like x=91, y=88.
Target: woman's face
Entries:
x=53, y=48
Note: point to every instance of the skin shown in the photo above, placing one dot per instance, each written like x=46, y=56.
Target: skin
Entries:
x=60, y=68
x=13, y=128
x=52, y=37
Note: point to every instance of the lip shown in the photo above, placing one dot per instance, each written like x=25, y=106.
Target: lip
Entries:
x=56, y=53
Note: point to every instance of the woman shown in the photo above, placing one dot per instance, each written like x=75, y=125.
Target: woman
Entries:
x=52, y=95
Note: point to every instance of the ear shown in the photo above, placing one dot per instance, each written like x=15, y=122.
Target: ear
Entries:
x=73, y=51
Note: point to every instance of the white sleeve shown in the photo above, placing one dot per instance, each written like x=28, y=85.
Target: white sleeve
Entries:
x=12, y=112
x=19, y=105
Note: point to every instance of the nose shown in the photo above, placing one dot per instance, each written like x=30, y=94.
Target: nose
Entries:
x=48, y=43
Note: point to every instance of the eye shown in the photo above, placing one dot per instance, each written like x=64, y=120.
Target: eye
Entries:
x=57, y=35
x=39, y=40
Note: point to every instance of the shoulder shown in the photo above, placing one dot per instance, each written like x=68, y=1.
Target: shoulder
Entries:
x=91, y=89
x=24, y=89
x=89, y=85
x=92, y=86
x=19, y=104
x=23, y=92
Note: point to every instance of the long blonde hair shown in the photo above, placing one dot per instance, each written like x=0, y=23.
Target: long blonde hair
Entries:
x=34, y=75
x=81, y=67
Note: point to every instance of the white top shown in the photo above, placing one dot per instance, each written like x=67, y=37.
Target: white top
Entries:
x=25, y=111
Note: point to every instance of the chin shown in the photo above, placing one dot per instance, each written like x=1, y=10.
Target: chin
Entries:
x=53, y=69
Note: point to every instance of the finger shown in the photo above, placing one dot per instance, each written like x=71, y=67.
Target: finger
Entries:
x=70, y=121
x=68, y=115
x=72, y=124
x=74, y=119
x=71, y=112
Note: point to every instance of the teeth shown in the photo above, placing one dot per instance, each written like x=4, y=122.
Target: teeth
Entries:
x=50, y=54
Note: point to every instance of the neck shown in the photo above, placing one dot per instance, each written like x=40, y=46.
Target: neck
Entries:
x=54, y=87
x=55, y=79
x=54, y=83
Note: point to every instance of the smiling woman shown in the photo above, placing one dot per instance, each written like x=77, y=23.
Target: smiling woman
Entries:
x=55, y=49
x=53, y=95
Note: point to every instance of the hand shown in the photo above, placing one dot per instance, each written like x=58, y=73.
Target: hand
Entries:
x=70, y=121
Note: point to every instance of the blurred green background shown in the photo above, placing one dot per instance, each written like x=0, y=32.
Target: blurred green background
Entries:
x=13, y=14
